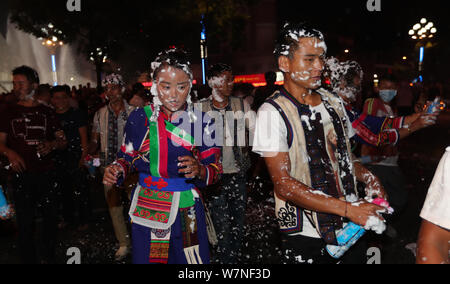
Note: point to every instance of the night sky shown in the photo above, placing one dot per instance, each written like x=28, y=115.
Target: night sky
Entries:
x=372, y=37
x=376, y=37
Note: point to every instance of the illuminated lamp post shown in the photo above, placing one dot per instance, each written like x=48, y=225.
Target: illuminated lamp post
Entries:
x=422, y=32
x=52, y=39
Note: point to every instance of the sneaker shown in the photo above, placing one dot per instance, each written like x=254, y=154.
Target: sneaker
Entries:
x=121, y=253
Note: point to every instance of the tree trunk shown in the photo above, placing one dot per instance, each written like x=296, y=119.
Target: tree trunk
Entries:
x=98, y=70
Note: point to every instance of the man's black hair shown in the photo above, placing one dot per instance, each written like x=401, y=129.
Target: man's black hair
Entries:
x=354, y=70
x=59, y=88
x=43, y=88
x=31, y=74
x=218, y=69
x=68, y=89
x=288, y=38
x=137, y=87
x=271, y=77
x=387, y=77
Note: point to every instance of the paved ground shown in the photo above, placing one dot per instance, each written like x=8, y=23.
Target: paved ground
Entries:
x=420, y=155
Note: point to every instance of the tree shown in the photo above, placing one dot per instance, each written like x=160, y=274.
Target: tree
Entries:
x=115, y=28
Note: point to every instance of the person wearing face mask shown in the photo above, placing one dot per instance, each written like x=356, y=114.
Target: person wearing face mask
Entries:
x=107, y=132
x=384, y=160
x=345, y=81
x=171, y=145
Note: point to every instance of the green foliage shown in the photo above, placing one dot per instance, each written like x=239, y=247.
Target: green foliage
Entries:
x=149, y=25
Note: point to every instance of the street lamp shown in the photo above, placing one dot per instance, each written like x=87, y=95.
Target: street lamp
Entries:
x=421, y=32
x=52, y=38
x=203, y=49
x=99, y=55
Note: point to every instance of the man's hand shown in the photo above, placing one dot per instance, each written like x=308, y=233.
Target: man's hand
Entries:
x=359, y=212
x=17, y=163
x=191, y=167
x=375, y=189
x=111, y=175
x=424, y=121
x=45, y=148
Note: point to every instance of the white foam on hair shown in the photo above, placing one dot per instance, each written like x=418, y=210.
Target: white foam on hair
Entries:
x=336, y=71
x=297, y=34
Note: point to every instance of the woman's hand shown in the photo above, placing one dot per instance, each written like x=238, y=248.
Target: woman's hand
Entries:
x=111, y=175
x=191, y=167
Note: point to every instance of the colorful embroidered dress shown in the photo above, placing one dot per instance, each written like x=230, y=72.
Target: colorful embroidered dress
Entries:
x=167, y=214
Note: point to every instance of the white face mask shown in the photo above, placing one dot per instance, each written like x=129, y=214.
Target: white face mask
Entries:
x=388, y=95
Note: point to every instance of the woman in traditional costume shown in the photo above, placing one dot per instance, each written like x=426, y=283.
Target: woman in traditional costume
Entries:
x=173, y=161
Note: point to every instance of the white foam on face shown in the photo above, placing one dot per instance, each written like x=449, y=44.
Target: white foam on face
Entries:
x=170, y=71
x=217, y=97
x=322, y=45
x=316, y=84
x=348, y=92
x=337, y=70
x=301, y=76
x=318, y=43
x=215, y=83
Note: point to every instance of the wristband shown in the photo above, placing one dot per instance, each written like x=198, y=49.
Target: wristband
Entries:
x=345, y=215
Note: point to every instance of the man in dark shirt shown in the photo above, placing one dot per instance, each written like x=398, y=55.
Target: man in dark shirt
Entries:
x=262, y=93
x=71, y=172
x=29, y=133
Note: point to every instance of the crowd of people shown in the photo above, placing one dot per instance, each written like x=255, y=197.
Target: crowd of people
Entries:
x=184, y=155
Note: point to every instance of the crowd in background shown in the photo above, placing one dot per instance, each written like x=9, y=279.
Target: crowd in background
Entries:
x=86, y=101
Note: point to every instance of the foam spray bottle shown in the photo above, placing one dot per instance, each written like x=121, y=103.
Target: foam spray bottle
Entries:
x=4, y=206
x=351, y=233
